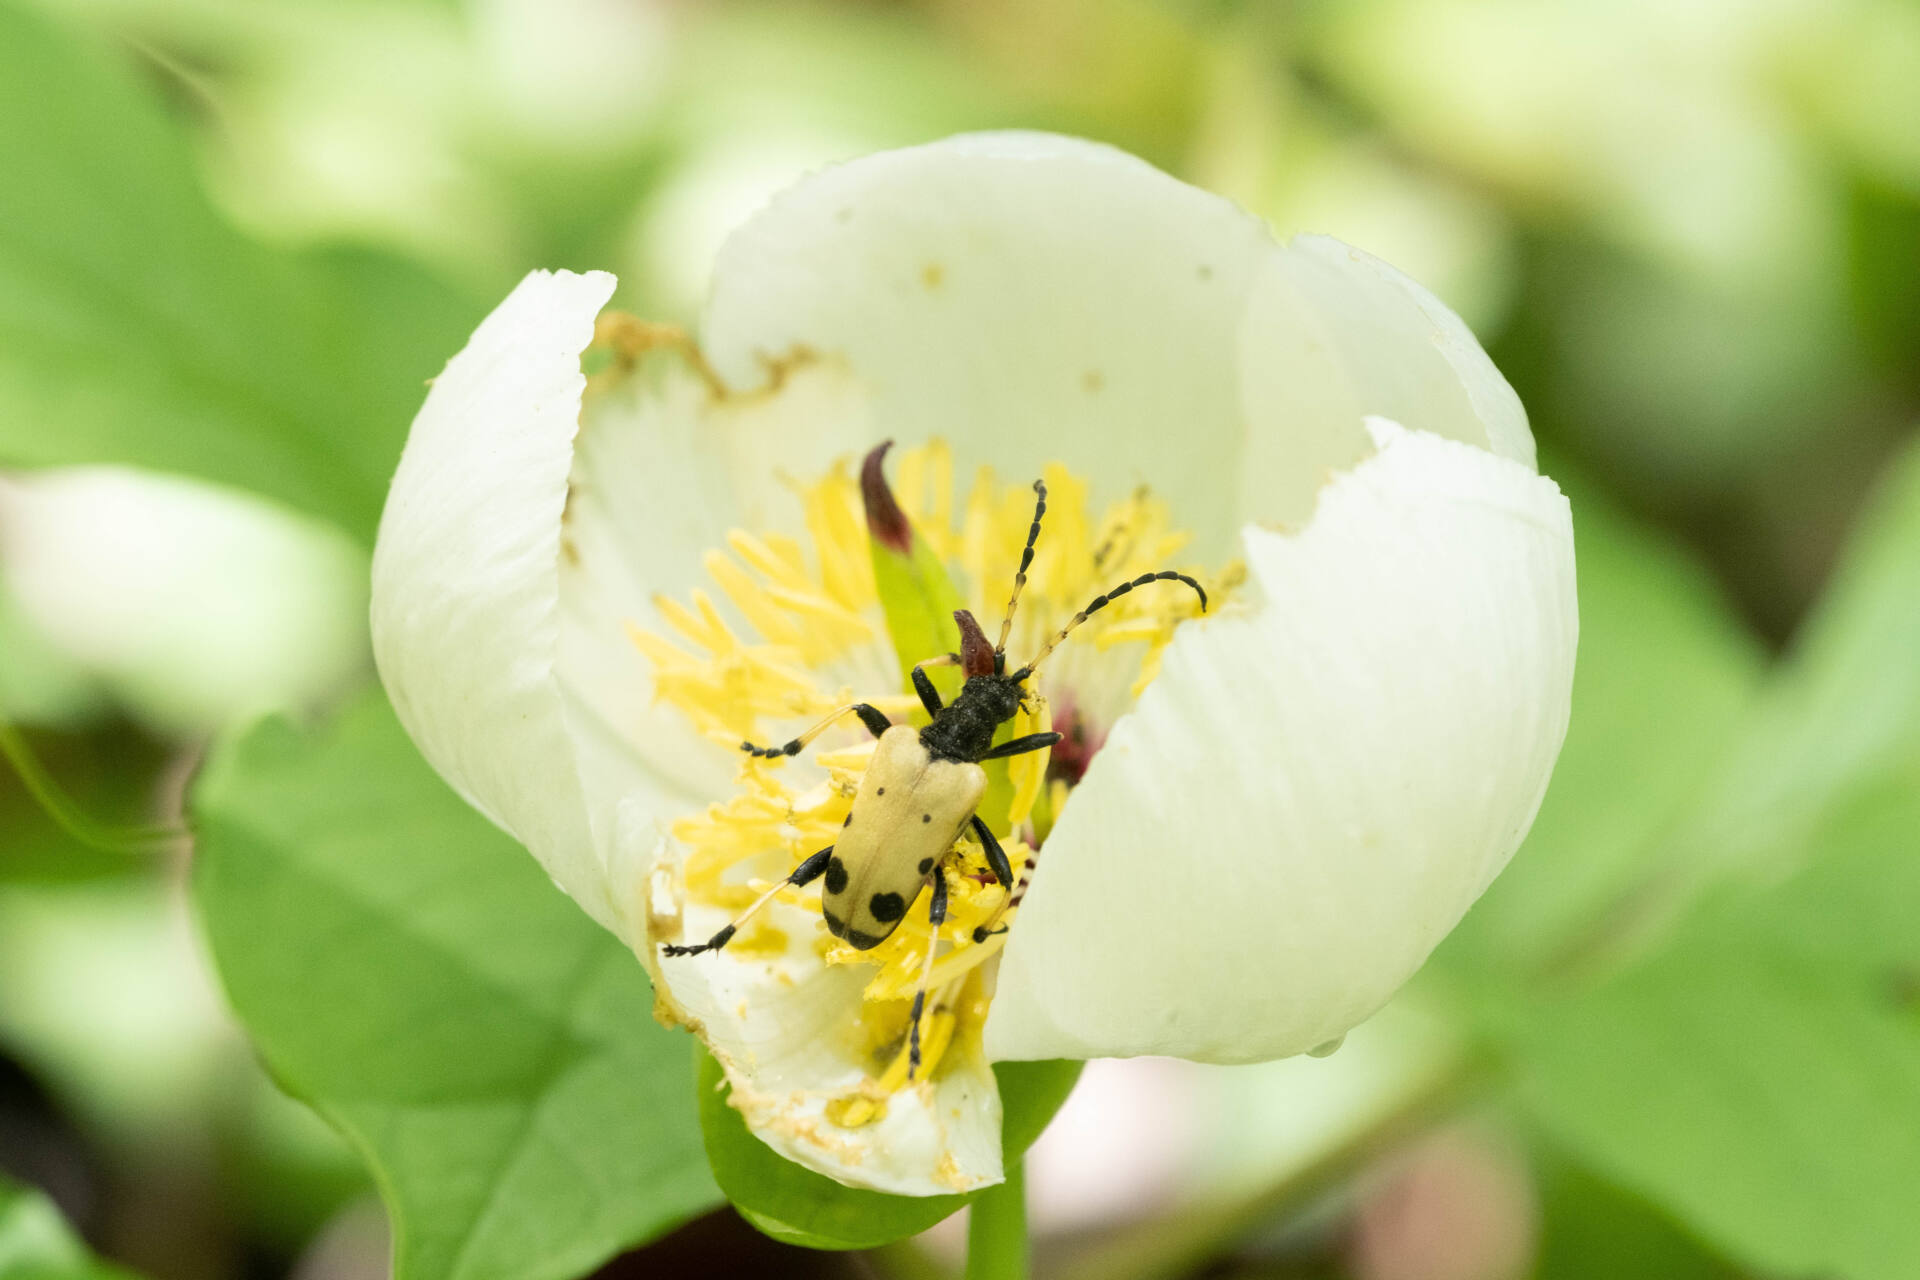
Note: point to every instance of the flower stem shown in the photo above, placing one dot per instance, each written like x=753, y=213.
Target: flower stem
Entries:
x=997, y=1230
x=67, y=814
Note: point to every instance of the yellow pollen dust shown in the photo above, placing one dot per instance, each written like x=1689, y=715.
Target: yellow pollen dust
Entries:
x=814, y=640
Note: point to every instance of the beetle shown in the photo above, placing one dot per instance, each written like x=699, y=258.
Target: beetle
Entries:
x=923, y=786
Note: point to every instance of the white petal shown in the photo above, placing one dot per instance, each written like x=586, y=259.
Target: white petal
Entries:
x=467, y=616
x=1319, y=783
x=785, y=1028
x=1332, y=335
x=642, y=507
x=508, y=565
x=1033, y=298
x=662, y=472
x=1027, y=297
x=1415, y=360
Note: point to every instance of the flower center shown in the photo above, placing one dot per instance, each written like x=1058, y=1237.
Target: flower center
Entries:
x=804, y=635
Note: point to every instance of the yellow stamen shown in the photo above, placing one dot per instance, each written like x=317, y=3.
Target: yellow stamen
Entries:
x=1030, y=770
x=807, y=635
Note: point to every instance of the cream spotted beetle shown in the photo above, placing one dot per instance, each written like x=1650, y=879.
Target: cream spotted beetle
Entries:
x=922, y=787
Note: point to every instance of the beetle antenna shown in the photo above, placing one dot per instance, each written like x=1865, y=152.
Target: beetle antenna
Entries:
x=1026, y=562
x=1102, y=601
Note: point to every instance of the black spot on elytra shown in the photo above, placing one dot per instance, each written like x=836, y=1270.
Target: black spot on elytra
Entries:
x=836, y=879
x=926, y=865
x=886, y=907
x=835, y=925
x=880, y=791
x=864, y=941
x=848, y=822
x=926, y=817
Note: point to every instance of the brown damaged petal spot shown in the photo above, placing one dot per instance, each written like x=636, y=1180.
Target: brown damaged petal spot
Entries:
x=670, y=1015
x=779, y=369
x=628, y=339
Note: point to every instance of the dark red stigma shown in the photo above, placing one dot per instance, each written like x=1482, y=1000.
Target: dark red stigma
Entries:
x=1075, y=751
x=976, y=651
x=886, y=522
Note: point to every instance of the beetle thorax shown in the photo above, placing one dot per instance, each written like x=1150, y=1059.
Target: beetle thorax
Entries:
x=964, y=729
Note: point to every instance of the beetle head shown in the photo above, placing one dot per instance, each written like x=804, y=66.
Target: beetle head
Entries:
x=976, y=651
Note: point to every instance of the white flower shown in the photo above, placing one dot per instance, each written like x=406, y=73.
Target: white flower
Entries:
x=1326, y=772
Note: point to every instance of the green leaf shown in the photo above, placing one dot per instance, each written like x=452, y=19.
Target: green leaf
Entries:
x=801, y=1207
x=136, y=326
x=37, y=1244
x=1653, y=633
x=1760, y=1078
x=1593, y=1230
x=1843, y=708
x=110, y=772
x=407, y=970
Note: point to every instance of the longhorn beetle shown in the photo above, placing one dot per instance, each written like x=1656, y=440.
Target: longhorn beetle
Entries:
x=922, y=787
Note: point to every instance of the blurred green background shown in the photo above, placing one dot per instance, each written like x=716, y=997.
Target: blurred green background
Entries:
x=1681, y=1036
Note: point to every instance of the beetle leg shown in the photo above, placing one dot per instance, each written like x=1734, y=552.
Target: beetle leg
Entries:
x=1020, y=746
x=996, y=856
x=930, y=696
x=806, y=873
x=872, y=717
x=936, y=916
x=1007, y=904
x=812, y=869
